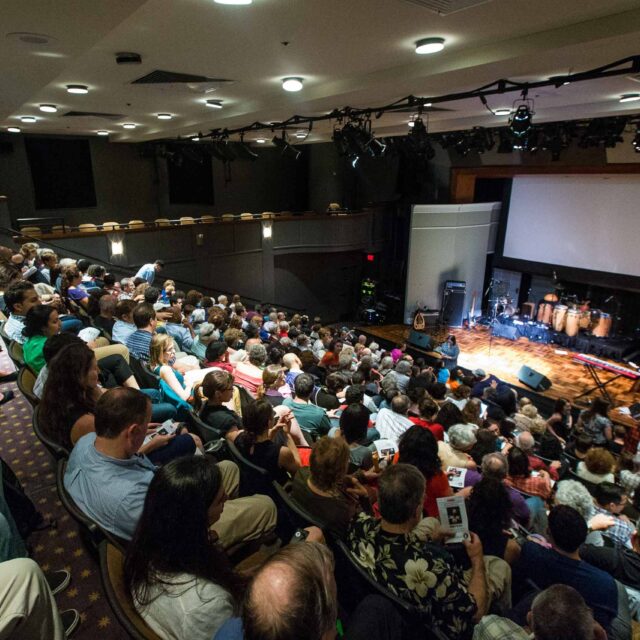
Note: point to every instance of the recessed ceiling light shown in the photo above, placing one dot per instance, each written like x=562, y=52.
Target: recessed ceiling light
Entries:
x=164, y=116
x=429, y=45
x=301, y=135
x=102, y=132
x=292, y=84
x=630, y=97
x=261, y=140
x=214, y=104
x=129, y=125
x=77, y=88
x=13, y=129
x=501, y=112
x=27, y=119
x=428, y=104
x=48, y=108
x=233, y=1
x=411, y=123
x=195, y=139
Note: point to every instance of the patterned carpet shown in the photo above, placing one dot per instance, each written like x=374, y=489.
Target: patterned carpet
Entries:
x=54, y=548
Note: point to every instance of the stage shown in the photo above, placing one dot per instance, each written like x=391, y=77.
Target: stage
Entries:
x=504, y=358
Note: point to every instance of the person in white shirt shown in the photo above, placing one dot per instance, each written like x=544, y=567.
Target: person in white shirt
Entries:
x=392, y=423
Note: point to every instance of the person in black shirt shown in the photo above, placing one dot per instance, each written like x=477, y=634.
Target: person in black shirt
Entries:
x=217, y=388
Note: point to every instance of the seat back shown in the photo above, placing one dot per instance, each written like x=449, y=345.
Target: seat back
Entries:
x=184, y=220
x=145, y=378
x=136, y=224
x=31, y=231
x=253, y=479
x=245, y=398
x=205, y=432
x=207, y=219
x=120, y=600
x=592, y=487
x=110, y=226
x=16, y=353
x=56, y=450
x=26, y=381
x=298, y=517
x=308, y=436
x=87, y=227
x=163, y=222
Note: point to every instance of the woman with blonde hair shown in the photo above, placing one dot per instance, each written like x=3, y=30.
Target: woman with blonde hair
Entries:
x=273, y=384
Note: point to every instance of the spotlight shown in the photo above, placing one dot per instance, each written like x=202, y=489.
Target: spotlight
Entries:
x=245, y=150
x=27, y=119
x=419, y=140
x=225, y=150
x=429, y=45
x=48, y=108
x=555, y=140
x=214, y=104
x=292, y=84
x=164, y=116
x=285, y=147
x=77, y=88
x=520, y=123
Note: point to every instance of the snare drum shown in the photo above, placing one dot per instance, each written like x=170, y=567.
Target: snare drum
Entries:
x=559, y=317
x=573, y=322
x=602, y=326
x=545, y=312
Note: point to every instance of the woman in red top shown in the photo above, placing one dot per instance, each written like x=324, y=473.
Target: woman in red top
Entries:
x=331, y=358
x=417, y=446
x=428, y=411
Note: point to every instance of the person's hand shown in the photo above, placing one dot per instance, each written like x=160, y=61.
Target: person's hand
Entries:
x=285, y=422
x=157, y=442
x=601, y=522
x=473, y=547
x=494, y=384
x=555, y=464
x=185, y=322
x=274, y=430
x=356, y=490
x=441, y=534
x=332, y=413
x=315, y=535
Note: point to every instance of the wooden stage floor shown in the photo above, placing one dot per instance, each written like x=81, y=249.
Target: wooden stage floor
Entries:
x=505, y=357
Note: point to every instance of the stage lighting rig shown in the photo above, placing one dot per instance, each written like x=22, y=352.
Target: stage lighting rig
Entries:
x=521, y=121
x=420, y=141
x=283, y=144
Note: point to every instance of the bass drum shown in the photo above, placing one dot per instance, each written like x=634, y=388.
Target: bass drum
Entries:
x=559, y=317
x=602, y=325
x=545, y=312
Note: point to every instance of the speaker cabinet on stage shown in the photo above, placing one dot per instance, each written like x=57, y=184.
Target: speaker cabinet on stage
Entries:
x=420, y=340
x=453, y=302
x=533, y=379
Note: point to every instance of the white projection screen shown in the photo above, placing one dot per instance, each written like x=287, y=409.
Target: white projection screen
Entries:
x=583, y=221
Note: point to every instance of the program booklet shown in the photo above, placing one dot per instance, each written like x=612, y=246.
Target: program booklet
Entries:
x=166, y=428
x=456, y=476
x=453, y=516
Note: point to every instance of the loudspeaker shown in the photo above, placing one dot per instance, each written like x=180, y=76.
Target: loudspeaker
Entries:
x=453, y=307
x=533, y=379
x=421, y=340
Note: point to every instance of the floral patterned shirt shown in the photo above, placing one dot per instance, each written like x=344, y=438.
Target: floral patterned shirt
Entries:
x=424, y=574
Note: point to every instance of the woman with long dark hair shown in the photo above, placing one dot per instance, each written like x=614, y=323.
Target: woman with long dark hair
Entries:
x=181, y=582
x=70, y=288
x=261, y=437
x=40, y=323
x=595, y=422
x=418, y=446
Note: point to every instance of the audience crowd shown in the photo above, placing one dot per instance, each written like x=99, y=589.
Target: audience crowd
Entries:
x=200, y=433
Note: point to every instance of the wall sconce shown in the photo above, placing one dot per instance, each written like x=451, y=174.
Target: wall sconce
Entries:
x=267, y=231
x=117, y=247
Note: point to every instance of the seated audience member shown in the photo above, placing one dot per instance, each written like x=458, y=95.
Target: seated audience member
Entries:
x=182, y=590
x=294, y=368
x=104, y=320
x=442, y=373
x=617, y=444
x=579, y=447
x=460, y=396
x=527, y=443
x=483, y=380
x=560, y=423
x=557, y=612
x=354, y=421
x=325, y=490
x=139, y=342
x=393, y=555
x=309, y=416
x=521, y=478
x=455, y=453
x=611, y=500
x=629, y=472
x=438, y=392
x=471, y=413
x=19, y=297
x=217, y=389
x=70, y=288
x=595, y=422
x=273, y=386
x=180, y=329
x=449, y=415
x=123, y=327
x=597, y=466
x=331, y=358
x=327, y=396
x=489, y=511
x=109, y=481
x=402, y=374
x=486, y=442
x=392, y=423
x=217, y=355
x=418, y=447
x=40, y=323
x=427, y=420
x=561, y=564
x=206, y=335
x=249, y=374
x=260, y=438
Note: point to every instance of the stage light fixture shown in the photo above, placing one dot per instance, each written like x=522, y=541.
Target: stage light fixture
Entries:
x=429, y=45
x=77, y=88
x=292, y=84
x=419, y=141
x=48, y=108
x=245, y=150
x=285, y=147
x=521, y=121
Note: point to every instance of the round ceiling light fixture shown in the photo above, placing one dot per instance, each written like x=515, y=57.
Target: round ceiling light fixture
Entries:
x=301, y=135
x=630, y=97
x=164, y=116
x=102, y=132
x=129, y=125
x=27, y=119
x=238, y=2
x=214, y=104
x=292, y=84
x=13, y=129
x=502, y=112
x=429, y=45
x=48, y=108
x=77, y=88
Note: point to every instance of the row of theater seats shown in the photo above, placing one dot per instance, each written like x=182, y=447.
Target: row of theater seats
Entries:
x=158, y=222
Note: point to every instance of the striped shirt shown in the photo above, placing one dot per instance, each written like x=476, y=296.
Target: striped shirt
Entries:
x=139, y=343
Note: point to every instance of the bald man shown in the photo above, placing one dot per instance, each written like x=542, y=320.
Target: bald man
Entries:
x=527, y=443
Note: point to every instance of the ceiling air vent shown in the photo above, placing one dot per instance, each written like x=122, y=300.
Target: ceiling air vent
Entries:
x=445, y=7
x=93, y=114
x=160, y=76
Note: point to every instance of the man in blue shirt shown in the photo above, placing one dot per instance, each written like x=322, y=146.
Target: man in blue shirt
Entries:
x=108, y=479
x=139, y=342
x=148, y=271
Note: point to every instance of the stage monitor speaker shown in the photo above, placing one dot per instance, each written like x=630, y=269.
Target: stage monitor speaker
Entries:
x=453, y=307
x=533, y=379
x=420, y=340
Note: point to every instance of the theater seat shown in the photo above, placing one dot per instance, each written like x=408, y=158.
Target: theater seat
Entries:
x=187, y=220
x=246, y=216
x=110, y=226
x=31, y=231
x=57, y=228
x=207, y=219
x=163, y=222
x=228, y=216
x=87, y=227
x=136, y=224
x=266, y=215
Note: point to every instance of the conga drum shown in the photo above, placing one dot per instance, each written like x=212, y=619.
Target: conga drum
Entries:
x=603, y=326
x=559, y=316
x=545, y=312
x=573, y=322
x=585, y=319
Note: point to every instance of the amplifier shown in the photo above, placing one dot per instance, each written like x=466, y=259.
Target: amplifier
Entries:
x=455, y=284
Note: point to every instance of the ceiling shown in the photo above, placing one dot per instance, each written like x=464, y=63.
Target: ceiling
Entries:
x=350, y=52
